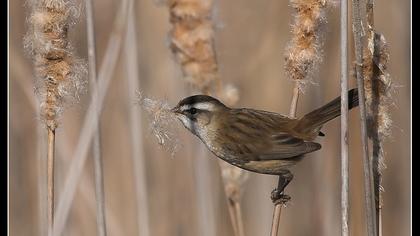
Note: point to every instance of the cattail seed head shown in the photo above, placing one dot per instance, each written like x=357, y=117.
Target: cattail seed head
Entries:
x=378, y=87
x=303, y=53
x=60, y=76
x=192, y=38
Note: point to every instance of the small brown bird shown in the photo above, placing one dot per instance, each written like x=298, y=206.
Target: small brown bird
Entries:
x=255, y=140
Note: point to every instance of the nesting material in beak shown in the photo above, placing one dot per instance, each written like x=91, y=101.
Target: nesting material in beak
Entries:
x=161, y=122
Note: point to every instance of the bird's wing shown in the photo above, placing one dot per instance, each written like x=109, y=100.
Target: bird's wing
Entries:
x=284, y=145
x=267, y=138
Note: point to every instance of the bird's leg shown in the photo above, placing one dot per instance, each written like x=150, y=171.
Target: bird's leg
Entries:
x=278, y=193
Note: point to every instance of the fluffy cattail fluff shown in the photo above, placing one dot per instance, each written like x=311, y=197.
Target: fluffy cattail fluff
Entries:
x=60, y=76
x=162, y=121
x=303, y=53
x=378, y=88
x=191, y=40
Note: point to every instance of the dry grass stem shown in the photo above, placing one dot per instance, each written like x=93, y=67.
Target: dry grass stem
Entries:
x=344, y=119
x=276, y=219
x=295, y=98
x=232, y=217
x=86, y=190
x=367, y=164
x=90, y=123
x=50, y=177
x=233, y=180
x=138, y=156
x=239, y=220
x=96, y=145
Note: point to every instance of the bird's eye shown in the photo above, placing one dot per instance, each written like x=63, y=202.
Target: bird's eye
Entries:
x=193, y=111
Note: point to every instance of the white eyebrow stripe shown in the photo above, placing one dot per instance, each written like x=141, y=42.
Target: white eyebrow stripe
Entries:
x=185, y=107
x=201, y=106
x=204, y=106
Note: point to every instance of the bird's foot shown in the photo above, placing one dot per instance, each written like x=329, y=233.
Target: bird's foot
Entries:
x=279, y=197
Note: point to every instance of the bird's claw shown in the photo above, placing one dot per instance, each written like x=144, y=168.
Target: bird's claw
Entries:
x=278, y=197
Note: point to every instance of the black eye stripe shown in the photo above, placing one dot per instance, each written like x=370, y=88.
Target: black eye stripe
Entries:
x=193, y=110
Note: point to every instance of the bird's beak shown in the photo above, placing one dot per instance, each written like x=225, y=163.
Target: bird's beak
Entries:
x=175, y=110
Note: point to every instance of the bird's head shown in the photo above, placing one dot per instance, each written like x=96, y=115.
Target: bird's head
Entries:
x=197, y=112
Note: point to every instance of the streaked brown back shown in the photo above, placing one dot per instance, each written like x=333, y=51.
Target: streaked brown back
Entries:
x=261, y=135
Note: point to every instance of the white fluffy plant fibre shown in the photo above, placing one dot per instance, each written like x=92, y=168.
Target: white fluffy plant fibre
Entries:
x=163, y=122
x=60, y=75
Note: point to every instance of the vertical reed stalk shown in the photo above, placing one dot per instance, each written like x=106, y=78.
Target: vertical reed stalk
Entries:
x=233, y=178
x=50, y=177
x=344, y=120
x=239, y=219
x=90, y=122
x=59, y=73
x=139, y=169
x=86, y=191
x=303, y=55
x=276, y=219
x=294, y=103
x=42, y=184
x=378, y=84
x=275, y=224
x=192, y=43
x=96, y=146
x=367, y=164
x=232, y=216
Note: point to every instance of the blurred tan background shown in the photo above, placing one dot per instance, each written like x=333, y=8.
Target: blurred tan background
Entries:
x=250, y=43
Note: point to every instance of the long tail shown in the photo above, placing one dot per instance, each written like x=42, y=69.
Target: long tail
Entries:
x=313, y=121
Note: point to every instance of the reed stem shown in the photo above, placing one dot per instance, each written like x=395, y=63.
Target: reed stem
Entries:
x=377, y=156
x=90, y=122
x=367, y=164
x=50, y=178
x=137, y=155
x=276, y=219
x=279, y=204
x=295, y=98
x=344, y=121
x=96, y=146
x=233, y=216
x=239, y=221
